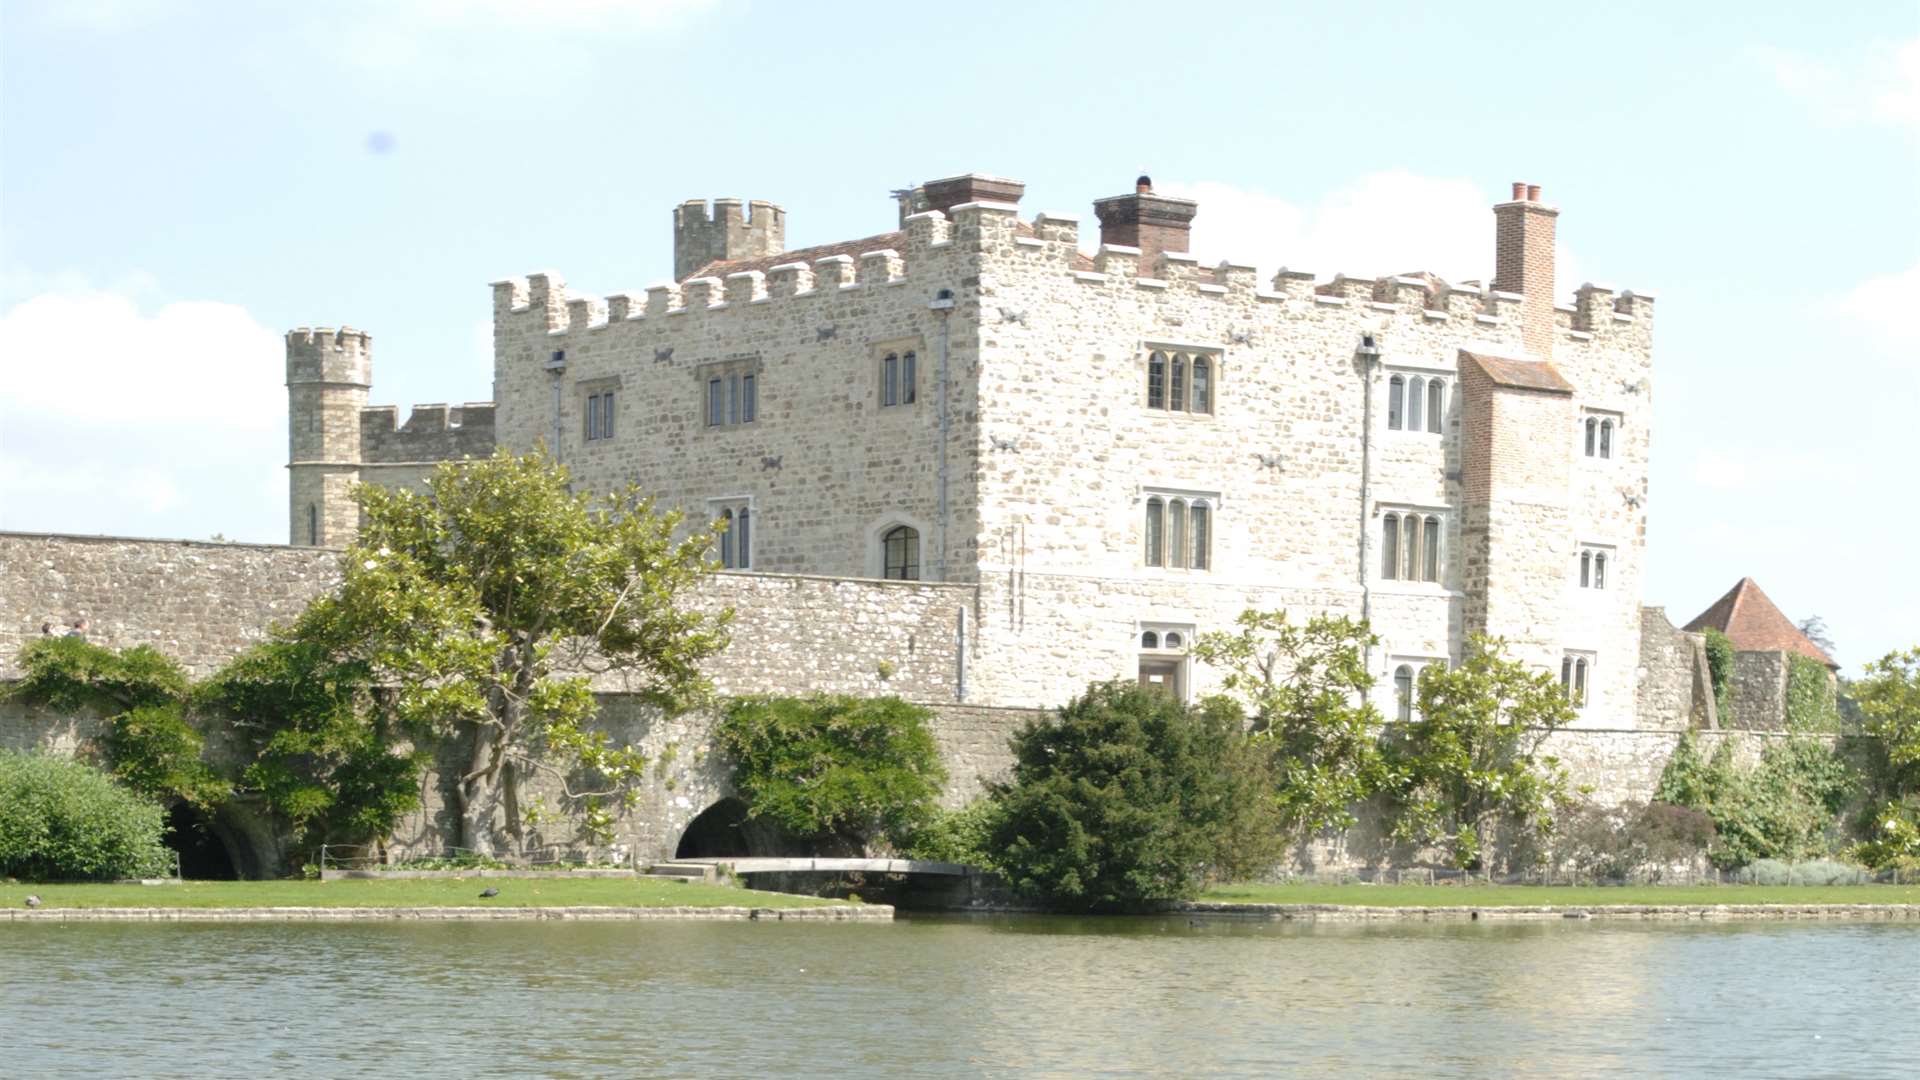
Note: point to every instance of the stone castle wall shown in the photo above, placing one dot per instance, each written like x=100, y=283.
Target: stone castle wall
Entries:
x=1757, y=691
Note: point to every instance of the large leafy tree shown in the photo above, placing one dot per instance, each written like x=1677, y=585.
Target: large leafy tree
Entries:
x=1889, y=702
x=483, y=608
x=1308, y=689
x=1470, y=761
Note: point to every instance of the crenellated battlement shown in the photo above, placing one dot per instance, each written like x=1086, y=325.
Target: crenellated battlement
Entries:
x=729, y=230
x=326, y=355
x=432, y=432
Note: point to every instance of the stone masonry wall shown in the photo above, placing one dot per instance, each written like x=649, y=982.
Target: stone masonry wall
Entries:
x=1757, y=691
x=1675, y=681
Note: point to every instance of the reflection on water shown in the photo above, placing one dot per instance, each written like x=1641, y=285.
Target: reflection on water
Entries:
x=960, y=997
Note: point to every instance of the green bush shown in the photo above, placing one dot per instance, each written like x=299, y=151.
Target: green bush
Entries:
x=1811, y=705
x=855, y=770
x=958, y=836
x=1126, y=795
x=1786, y=806
x=61, y=820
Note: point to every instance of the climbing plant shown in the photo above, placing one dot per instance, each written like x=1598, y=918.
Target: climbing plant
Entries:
x=150, y=744
x=1786, y=804
x=1720, y=670
x=834, y=768
x=1811, y=705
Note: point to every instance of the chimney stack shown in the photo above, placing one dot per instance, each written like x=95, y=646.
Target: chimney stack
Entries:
x=1523, y=262
x=944, y=195
x=1152, y=223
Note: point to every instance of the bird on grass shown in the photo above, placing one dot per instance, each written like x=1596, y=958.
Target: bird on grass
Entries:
x=489, y=893
x=33, y=901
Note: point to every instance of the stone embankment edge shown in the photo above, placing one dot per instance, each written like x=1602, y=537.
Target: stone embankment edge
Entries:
x=1702, y=912
x=825, y=913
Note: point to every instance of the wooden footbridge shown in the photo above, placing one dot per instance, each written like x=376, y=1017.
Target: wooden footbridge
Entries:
x=708, y=869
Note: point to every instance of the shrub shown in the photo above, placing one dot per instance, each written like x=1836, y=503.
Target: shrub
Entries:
x=856, y=770
x=1126, y=795
x=1811, y=705
x=1786, y=806
x=1888, y=700
x=64, y=820
x=1615, y=843
x=958, y=836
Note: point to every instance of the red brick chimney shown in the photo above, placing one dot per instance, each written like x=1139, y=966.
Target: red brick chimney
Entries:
x=1152, y=223
x=1523, y=262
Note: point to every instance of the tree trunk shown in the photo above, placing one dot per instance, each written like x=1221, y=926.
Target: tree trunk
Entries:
x=481, y=792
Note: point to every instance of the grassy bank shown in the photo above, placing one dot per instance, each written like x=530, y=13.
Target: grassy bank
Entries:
x=1560, y=895
x=443, y=892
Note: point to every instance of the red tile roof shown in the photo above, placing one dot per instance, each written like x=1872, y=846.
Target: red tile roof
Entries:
x=1753, y=624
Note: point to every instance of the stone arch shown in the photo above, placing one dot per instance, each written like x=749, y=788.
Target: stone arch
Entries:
x=875, y=552
x=724, y=830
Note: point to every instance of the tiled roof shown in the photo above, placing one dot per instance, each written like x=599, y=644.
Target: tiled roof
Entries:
x=1521, y=374
x=1753, y=624
x=896, y=241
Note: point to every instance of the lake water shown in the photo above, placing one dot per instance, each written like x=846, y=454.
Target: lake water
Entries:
x=961, y=996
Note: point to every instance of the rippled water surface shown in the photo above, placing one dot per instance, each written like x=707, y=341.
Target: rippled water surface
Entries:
x=960, y=997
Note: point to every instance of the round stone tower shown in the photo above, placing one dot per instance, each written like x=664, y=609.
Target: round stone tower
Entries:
x=328, y=374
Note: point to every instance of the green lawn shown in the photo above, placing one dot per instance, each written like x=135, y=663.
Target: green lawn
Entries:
x=1561, y=896
x=439, y=892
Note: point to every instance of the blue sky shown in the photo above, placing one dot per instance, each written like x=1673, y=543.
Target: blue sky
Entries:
x=181, y=182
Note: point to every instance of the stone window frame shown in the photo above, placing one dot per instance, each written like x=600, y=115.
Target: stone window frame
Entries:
x=876, y=550
x=1597, y=435
x=741, y=383
x=1399, y=415
x=1199, y=544
x=1434, y=522
x=1174, y=660
x=902, y=350
x=1180, y=357
x=1577, y=672
x=588, y=395
x=743, y=519
x=1595, y=564
x=1395, y=707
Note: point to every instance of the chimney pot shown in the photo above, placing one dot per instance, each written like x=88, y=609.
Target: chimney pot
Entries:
x=1533, y=192
x=1519, y=191
x=1143, y=185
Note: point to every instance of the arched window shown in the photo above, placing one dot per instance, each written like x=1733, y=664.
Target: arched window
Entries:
x=890, y=380
x=1202, y=385
x=1177, y=533
x=1606, y=438
x=1390, y=548
x=1149, y=640
x=1403, y=692
x=1431, y=549
x=743, y=549
x=727, y=538
x=1586, y=569
x=1600, y=570
x=1593, y=428
x=900, y=554
x=313, y=525
x=1396, y=399
x=1177, y=399
x=909, y=379
x=1416, y=395
x=1157, y=381
x=1566, y=676
x=1156, y=527
x=1173, y=639
x=1436, y=404
x=1202, y=536
x=1580, y=682
x=1410, y=545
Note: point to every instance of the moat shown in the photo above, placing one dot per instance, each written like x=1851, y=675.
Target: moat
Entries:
x=961, y=996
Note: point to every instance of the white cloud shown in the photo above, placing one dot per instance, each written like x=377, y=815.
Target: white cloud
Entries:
x=146, y=422
x=1883, y=307
x=1390, y=222
x=574, y=13
x=1880, y=85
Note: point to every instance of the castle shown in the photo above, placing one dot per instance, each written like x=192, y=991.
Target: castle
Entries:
x=1113, y=453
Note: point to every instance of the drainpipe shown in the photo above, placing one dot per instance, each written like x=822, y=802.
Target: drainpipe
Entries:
x=942, y=305
x=1369, y=360
x=557, y=365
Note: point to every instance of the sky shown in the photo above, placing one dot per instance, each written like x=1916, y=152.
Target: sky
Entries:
x=180, y=183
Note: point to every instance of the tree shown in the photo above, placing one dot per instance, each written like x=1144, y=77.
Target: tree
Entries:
x=1309, y=691
x=1815, y=629
x=482, y=608
x=836, y=769
x=1888, y=698
x=1126, y=795
x=1469, y=762
x=62, y=819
